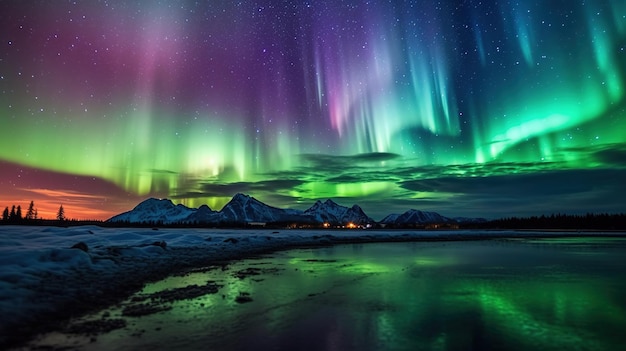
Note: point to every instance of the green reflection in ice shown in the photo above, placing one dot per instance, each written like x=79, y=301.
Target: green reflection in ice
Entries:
x=549, y=311
x=343, y=267
x=485, y=295
x=434, y=261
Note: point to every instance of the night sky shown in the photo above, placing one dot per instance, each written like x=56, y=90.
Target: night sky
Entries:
x=468, y=108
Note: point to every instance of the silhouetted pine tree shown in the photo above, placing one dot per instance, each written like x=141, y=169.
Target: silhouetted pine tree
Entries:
x=30, y=213
x=12, y=215
x=18, y=213
x=5, y=214
x=61, y=214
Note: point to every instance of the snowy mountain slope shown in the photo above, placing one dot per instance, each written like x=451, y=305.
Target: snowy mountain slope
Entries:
x=155, y=210
x=415, y=217
x=204, y=214
x=390, y=218
x=245, y=209
x=331, y=212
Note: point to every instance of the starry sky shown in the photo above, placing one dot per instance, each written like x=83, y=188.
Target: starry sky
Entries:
x=468, y=108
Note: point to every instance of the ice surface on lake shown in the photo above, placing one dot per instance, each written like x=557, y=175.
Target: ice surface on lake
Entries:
x=507, y=294
x=40, y=271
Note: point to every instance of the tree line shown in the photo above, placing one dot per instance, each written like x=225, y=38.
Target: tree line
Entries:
x=14, y=216
x=604, y=221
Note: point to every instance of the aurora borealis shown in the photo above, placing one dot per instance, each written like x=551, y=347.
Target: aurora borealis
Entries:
x=469, y=108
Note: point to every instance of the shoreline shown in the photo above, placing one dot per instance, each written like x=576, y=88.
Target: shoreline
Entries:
x=90, y=290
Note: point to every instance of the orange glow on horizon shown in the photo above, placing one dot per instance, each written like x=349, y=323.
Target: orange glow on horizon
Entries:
x=48, y=209
x=75, y=205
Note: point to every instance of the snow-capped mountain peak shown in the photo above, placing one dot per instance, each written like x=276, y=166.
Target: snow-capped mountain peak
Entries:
x=413, y=216
x=244, y=209
x=239, y=197
x=330, y=212
x=155, y=210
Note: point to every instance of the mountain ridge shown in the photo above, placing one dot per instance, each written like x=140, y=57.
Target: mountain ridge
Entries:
x=244, y=209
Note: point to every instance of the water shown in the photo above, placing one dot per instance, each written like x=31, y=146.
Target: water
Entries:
x=541, y=294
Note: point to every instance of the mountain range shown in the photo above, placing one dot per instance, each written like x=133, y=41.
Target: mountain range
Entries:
x=244, y=210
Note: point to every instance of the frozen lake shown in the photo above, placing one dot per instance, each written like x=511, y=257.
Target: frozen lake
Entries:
x=514, y=294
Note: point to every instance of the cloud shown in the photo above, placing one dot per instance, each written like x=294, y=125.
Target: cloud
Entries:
x=552, y=183
x=610, y=155
x=65, y=194
x=230, y=189
x=346, y=178
x=572, y=191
